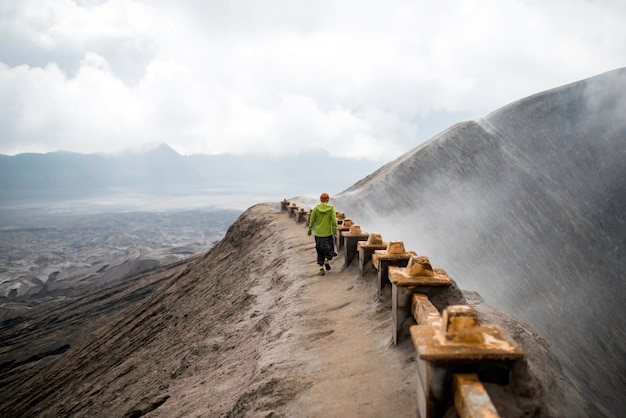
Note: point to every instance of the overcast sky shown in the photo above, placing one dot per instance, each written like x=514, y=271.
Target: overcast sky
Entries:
x=368, y=79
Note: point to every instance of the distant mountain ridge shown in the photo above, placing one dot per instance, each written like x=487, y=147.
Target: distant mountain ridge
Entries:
x=161, y=166
x=526, y=206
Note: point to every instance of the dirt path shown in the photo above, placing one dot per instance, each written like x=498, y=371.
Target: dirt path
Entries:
x=343, y=341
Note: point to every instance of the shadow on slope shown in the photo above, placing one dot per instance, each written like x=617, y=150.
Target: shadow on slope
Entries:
x=527, y=207
x=192, y=325
x=36, y=335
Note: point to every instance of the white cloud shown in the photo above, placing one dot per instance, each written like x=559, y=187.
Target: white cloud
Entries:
x=283, y=76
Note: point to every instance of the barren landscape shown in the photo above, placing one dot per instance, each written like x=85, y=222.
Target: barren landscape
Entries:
x=524, y=206
x=250, y=329
x=47, y=251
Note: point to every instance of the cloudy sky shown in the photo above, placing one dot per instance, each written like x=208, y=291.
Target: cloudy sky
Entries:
x=368, y=79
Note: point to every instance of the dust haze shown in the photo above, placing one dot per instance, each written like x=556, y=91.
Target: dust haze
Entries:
x=525, y=206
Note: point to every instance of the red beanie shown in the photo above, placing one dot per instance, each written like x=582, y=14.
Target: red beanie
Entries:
x=324, y=197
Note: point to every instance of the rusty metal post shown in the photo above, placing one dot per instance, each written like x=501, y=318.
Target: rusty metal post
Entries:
x=461, y=345
x=394, y=255
x=344, y=227
x=367, y=248
x=293, y=210
x=417, y=277
x=351, y=238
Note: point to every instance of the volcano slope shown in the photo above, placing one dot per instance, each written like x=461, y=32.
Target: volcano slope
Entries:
x=250, y=330
x=526, y=206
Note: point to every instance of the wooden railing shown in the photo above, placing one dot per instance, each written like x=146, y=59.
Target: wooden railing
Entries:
x=454, y=350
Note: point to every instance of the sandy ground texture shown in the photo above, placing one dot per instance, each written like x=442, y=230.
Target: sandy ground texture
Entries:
x=325, y=349
x=251, y=330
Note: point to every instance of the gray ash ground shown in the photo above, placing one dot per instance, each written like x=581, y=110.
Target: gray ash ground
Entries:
x=45, y=253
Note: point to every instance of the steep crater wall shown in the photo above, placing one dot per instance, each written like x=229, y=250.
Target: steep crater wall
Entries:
x=526, y=207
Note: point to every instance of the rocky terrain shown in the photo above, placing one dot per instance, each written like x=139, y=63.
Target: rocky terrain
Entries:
x=46, y=253
x=250, y=329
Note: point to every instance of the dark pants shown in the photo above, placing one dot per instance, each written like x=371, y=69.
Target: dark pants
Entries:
x=325, y=247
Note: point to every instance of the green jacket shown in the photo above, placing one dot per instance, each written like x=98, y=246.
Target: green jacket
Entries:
x=323, y=220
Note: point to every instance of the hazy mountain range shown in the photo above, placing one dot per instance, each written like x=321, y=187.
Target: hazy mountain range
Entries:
x=161, y=167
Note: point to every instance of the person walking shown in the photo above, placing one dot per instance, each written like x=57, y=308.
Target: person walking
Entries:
x=324, y=221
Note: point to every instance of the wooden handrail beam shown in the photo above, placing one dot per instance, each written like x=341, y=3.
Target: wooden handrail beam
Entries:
x=471, y=400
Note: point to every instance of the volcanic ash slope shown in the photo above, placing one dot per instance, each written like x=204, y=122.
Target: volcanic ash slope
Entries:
x=526, y=206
